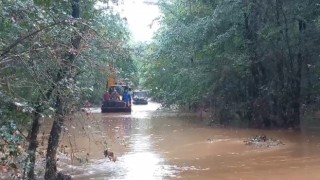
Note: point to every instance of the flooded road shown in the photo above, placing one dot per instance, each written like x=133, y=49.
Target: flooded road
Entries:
x=151, y=144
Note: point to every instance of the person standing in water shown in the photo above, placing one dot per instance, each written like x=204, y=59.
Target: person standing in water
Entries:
x=127, y=98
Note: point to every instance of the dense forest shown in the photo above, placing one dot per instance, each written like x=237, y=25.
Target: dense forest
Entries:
x=251, y=63
x=54, y=56
x=254, y=63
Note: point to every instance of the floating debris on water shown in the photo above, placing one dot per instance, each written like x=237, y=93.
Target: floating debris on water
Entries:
x=262, y=141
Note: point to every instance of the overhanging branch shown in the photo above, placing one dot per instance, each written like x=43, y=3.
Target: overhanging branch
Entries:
x=21, y=39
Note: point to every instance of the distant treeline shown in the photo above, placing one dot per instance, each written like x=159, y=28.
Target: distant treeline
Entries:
x=255, y=62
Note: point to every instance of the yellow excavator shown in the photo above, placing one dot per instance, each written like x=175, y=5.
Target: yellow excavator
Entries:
x=111, y=104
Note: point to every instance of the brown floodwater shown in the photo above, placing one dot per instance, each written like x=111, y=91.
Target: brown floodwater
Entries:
x=155, y=144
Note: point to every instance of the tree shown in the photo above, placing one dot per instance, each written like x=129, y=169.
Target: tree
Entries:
x=251, y=59
x=44, y=66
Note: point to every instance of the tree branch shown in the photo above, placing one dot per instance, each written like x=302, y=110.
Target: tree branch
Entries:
x=21, y=39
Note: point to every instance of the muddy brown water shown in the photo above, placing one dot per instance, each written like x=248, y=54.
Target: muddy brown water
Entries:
x=152, y=144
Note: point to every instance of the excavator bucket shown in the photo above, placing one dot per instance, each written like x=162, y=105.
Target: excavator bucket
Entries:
x=114, y=106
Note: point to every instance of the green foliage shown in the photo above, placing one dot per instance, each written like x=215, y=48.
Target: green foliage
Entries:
x=46, y=28
x=39, y=60
x=109, y=45
x=246, y=57
x=11, y=144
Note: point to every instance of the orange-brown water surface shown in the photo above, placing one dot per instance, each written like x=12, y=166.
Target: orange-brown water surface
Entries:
x=156, y=144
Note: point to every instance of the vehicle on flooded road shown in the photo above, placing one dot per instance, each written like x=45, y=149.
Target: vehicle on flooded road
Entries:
x=116, y=100
x=140, y=97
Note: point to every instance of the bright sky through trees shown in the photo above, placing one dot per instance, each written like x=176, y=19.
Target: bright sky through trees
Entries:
x=140, y=16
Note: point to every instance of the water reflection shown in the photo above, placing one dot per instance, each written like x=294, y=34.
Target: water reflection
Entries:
x=131, y=139
x=142, y=162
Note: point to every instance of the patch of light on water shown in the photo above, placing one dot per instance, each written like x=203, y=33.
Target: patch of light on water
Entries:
x=151, y=106
x=144, y=165
x=143, y=111
x=135, y=166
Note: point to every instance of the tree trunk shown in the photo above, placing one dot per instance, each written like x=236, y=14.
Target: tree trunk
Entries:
x=279, y=103
x=296, y=103
x=51, y=160
x=33, y=144
x=297, y=95
x=251, y=27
